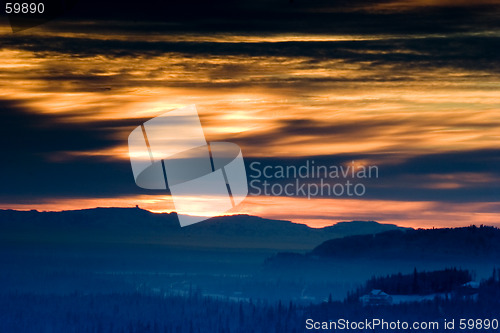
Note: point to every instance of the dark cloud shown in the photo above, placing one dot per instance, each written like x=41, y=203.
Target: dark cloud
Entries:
x=330, y=16
x=411, y=179
x=35, y=165
x=30, y=133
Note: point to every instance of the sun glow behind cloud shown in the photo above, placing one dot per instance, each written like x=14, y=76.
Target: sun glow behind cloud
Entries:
x=279, y=103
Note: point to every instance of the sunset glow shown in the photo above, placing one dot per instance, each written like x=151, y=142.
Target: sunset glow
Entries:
x=382, y=97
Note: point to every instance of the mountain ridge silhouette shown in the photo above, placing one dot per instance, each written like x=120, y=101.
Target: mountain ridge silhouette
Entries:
x=139, y=226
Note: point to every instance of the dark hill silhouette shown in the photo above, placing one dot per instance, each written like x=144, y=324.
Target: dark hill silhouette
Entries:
x=138, y=226
x=469, y=242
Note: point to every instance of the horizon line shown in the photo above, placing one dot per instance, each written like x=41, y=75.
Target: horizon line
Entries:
x=238, y=214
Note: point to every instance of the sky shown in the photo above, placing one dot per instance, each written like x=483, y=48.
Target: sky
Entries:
x=411, y=87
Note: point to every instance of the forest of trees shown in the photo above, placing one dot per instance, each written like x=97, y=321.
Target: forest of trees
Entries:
x=419, y=283
x=142, y=312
